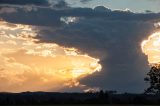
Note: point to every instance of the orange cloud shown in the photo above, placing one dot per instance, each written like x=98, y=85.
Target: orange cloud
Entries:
x=29, y=66
x=151, y=48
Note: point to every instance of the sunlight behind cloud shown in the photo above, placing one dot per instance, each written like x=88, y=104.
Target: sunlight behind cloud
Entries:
x=29, y=66
x=151, y=48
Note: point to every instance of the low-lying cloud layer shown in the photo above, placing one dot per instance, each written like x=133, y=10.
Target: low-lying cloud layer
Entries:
x=113, y=36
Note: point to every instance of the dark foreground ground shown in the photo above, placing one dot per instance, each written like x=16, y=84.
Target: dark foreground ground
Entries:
x=52, y=98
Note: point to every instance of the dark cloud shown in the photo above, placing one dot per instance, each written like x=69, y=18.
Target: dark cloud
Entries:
x=24, y=2
x=112, y=36
x=61, y=4
x=117, y=43
x=51, y=16
x=85, y=1
x=58, y=4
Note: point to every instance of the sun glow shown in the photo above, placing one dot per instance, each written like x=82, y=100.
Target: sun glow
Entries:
x=151, y=48
x=29, y=66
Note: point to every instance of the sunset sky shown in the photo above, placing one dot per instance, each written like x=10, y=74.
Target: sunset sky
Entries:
x=78, y=45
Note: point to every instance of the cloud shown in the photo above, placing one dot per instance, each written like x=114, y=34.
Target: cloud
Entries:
x=4, y=10
x=115, y=39
x=29, y=5
x=58, y=3
x=69, y=20
x=45, y=66
x=157, y=24
x=150, y=47
x=85, y=1
x=116, y=43
x=113, y=36
x=102, y=9
x=53, y=16
x=25, y=2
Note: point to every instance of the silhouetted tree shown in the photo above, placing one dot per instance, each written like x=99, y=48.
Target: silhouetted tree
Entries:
x=154, y=80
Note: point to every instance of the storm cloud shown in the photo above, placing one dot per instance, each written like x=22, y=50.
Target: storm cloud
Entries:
x=25, y=2
x=113, y=36
x=85, y=1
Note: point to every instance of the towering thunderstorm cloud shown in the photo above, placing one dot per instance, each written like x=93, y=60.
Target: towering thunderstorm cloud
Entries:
x=41, y=40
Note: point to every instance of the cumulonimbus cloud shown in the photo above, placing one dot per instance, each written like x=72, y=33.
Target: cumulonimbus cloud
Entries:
x=114, y=36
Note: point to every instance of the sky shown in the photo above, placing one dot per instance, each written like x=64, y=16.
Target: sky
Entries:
x=133, y=5
x=78, y=45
